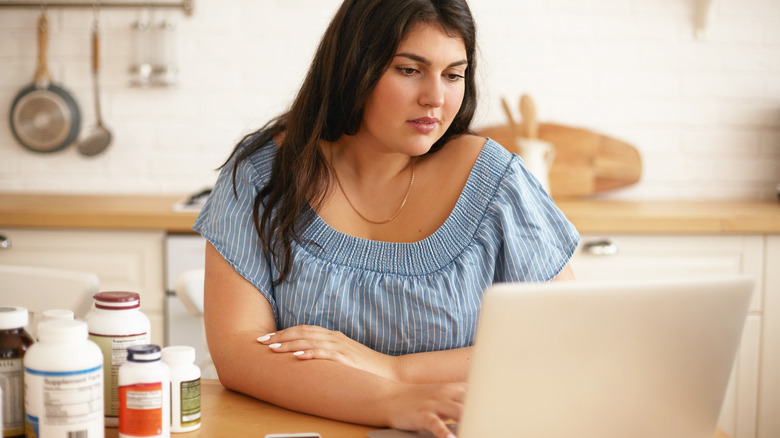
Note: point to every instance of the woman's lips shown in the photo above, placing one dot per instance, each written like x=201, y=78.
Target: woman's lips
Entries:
x=425, y=125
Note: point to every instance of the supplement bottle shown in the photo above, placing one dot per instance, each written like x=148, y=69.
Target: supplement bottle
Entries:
x=115, y=324
x=14, y=342
x=185, y=388
x=63, y=381
x=144, y=394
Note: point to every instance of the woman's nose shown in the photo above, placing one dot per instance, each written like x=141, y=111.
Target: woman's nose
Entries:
x=432, y=93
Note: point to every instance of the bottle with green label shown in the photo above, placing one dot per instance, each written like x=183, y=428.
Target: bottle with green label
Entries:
x=185, y=387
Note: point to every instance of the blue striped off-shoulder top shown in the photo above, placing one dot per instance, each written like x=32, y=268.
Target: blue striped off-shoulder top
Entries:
x=399, y=298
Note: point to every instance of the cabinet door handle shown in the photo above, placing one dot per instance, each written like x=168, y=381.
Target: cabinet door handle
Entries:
x=5, y=243
x=603, y=247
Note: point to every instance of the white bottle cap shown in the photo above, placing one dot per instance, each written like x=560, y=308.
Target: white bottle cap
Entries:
x=59, y=330
x=13, y=317
x=178, y=354
x=57, y=314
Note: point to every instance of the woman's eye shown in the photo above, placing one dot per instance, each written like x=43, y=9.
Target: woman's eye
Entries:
x=454, y=77
x=407, y=71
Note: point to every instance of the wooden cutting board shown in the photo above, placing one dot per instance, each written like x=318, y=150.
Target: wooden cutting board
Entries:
x=586, y=162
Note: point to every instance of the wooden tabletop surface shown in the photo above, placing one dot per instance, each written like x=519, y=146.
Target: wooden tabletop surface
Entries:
x=230, y=414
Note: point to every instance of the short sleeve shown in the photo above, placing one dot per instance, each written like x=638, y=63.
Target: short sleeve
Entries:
x=538, y=240
x=226, y=221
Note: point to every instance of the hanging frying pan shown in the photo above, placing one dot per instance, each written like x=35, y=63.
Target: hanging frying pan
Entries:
x=44, y=117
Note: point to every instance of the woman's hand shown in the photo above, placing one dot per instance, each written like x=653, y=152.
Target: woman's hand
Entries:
x=307, y=342
x=426, y=407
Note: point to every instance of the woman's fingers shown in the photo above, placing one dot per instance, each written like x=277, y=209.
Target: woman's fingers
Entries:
x=312, y=342
x=428, y=407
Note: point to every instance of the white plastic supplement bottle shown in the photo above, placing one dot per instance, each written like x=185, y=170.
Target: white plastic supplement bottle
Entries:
x=63, y=381
x=144, y=394
x=115, y=324
x=185, y=387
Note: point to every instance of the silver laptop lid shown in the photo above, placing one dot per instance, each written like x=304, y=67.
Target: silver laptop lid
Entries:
x=604, y=359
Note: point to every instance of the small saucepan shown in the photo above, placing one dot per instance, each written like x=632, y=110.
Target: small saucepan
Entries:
x=44, y=116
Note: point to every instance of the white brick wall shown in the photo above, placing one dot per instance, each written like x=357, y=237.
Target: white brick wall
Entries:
x=704, y=113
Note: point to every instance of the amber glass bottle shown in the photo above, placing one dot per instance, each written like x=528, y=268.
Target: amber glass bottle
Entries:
x=14, y=341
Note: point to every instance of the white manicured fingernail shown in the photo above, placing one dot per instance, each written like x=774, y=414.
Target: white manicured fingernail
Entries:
x=298, y=353
x=277, y=345
x=265, y=338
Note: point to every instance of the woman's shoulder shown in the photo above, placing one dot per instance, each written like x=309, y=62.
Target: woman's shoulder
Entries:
x=464, y=151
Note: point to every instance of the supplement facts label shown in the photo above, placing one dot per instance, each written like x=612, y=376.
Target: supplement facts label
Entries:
x=64, y=403
x=140, y=407
x=190, y=402
x=11, y=372
x=114, y=350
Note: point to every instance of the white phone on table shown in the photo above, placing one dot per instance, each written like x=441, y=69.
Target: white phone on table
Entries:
x=294, y=435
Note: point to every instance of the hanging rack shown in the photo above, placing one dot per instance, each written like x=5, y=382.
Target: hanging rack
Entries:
x=185, y=5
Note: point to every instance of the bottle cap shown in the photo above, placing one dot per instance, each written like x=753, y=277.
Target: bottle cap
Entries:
x=61, y=330
x=117, y=300
x=178, y=354
x=57, y=314
x=13, y=317
x=143, y=353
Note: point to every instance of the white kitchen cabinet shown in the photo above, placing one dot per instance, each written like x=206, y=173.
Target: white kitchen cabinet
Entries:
x=653, y=256
x=123, y=260
x=769, y=390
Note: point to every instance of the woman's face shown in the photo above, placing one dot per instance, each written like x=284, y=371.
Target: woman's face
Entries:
x=419, y=95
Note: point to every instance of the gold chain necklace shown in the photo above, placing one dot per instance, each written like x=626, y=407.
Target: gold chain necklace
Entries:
x=400, y=207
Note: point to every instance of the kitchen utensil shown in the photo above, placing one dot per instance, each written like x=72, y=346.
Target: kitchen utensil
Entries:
x=99, y=138
x=44, y=116
x=512, y=124
x=586, y=162
x=530, y=126
x=538, y=155
x=164, y=70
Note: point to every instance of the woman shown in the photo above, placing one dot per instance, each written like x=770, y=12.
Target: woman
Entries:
x=351, y=239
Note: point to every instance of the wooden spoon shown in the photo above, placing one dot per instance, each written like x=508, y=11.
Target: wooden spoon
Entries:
x=530, y=126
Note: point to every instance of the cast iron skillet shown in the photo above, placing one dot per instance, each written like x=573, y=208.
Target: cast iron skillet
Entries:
x=44, y=117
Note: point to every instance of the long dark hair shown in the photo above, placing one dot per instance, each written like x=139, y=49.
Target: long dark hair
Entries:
x=355, y=51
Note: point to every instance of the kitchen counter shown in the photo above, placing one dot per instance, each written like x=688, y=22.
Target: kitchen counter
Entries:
x=589, y=216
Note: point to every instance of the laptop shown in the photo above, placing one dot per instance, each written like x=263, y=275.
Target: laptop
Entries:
x=606, y=359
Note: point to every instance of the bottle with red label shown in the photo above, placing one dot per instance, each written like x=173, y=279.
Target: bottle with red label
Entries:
x=144, y=394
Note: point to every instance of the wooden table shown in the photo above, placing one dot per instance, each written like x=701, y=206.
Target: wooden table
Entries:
x=230, y=414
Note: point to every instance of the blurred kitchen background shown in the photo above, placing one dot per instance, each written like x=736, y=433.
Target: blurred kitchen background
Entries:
x=693, y=85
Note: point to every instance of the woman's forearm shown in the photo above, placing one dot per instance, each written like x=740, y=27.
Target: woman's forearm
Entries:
x=318, y=387
x=435, y=366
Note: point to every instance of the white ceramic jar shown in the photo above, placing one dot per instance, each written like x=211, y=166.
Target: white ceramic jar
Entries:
x=115, y=324
x=144, y=394
x=185, y=387
x=63, y=381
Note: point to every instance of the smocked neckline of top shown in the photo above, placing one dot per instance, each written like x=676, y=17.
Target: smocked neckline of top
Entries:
x=426, y=255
